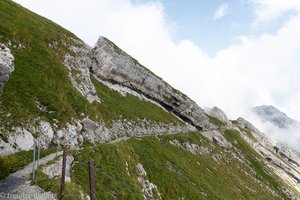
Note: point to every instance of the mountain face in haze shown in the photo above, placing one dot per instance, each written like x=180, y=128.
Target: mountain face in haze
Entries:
x=147, y=139
x=275, y=116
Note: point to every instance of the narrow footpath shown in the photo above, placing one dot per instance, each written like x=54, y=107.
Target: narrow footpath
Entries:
x=17, y=186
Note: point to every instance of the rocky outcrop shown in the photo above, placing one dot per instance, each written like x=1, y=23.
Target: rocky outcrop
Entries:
x=289, y=155
x=98, y=132
x=76, y=131
x=279, y=163
x=190, y=147
x=45, y=135
x=79, y=70
x=149, y=189
x=6, y=65
x=281, y=160
x=20, y=140
x=54, y=170
x=219, y=114
x=247, y=125
x=115, y=66
x=217, y=137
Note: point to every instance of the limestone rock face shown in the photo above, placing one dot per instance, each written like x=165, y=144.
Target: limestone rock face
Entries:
x=219, y=114
x=45, y=134
x=247, y=125
x=190, y=147
x=79, y=73
x=216, y=137
x=22, y=138
x=115, y=66
x=54, y=170
x=6, y=65
x=98, y=132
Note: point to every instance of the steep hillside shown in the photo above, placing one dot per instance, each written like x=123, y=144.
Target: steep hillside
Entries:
x=51, y=90
x=147, y=139
x=180, y=166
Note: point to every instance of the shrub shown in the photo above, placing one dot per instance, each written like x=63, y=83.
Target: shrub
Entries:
x=6, y=163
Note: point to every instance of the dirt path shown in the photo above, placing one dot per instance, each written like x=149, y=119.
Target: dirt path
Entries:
x=17, y=185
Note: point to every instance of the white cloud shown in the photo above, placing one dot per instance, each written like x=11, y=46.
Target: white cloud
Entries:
x=256, y=71
x=221, y=11
x=268, y=10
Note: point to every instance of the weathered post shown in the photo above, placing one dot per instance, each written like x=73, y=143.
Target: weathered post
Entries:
x=92, y=180
x=63, y=174
x=39, y=151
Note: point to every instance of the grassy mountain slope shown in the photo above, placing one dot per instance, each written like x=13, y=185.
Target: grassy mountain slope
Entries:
x=41, y=79
x=236, y=173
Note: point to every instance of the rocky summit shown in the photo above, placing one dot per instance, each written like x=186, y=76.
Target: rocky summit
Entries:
x=146, y=139
x=276, y=117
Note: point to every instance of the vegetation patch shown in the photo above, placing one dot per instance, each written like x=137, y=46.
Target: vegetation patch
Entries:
x=40, y=76
x=262, y=173
x=115, y=106
x=216, y=121
x=12, y=163
x=248, y=133
x=176, y=172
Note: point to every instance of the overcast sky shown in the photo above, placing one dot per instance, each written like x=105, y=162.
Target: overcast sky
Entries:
x=234, y=54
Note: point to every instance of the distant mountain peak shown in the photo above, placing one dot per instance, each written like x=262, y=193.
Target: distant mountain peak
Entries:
x=269, y=113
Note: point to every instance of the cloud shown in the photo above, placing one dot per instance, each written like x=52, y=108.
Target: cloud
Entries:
x=288, y=136
x=264, y=69
x=221, y=11
x=269, y=10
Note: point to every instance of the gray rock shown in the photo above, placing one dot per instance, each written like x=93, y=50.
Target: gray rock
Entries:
x=54, y=170
x=95, y=131
x=149, y=189
x=279, y=163
x=68, y=136
x=6, y=148
x=6, y=65
x=115, y=66
x=290, y=155
x=46, y=134
x=275, y=116
x=78, y=67
x=190, y=147
x=247, y=125
x=22, y=139
x=217, y=137
x=219, y=114
x=98, y=132
x=259, y=136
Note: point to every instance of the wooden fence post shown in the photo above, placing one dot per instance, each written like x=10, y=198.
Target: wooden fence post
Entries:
x=92, y=180
x=63, y=174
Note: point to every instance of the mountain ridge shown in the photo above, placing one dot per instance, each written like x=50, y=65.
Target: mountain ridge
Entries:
x=63, y=92
x=269, y=113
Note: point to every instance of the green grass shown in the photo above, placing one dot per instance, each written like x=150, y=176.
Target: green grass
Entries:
x=116, y=106
x=39, y=73
x=41, y=78
x=216, y=121
x=248, y=133
x=176, y=172
x=254, y=158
